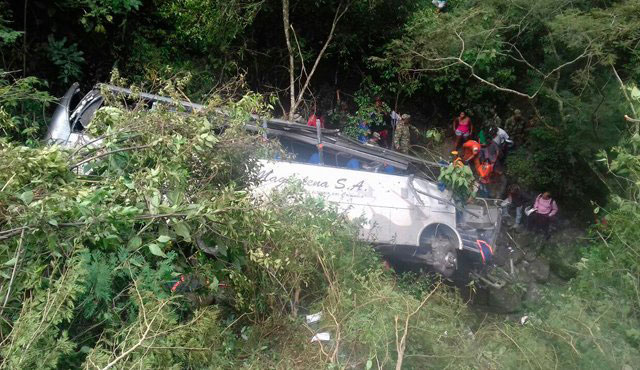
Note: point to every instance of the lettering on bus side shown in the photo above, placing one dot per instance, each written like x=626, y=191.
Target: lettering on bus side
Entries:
x=339, y=184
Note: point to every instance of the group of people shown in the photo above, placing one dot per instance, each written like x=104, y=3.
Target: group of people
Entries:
x=383, y=127
x=486, y=153
x=539, y=215
x=484, y=150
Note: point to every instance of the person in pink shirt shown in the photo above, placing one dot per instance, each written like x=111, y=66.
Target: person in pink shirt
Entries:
x=544, y=208
x=463, y=128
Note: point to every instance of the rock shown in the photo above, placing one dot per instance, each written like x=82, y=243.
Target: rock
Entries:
x=522, y=273
x=507, y=299
x=563, y=261
x=539, y=270
x=517, y=255
x=530, y=257
x=533, y=293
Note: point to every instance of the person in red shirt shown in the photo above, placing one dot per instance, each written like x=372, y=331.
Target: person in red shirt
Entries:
x=315, y=119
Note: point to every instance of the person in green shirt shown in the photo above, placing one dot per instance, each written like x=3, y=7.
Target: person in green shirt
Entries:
x=482, y=138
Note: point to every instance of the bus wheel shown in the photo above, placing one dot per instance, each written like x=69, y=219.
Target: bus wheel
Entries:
x=440, y=242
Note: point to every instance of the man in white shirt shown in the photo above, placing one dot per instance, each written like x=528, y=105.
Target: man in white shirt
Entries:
x=501, y=137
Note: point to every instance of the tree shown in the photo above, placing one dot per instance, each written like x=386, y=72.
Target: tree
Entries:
x=305, y=77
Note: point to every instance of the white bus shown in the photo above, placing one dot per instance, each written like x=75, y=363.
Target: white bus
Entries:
x=401, y=212
x=401, y=215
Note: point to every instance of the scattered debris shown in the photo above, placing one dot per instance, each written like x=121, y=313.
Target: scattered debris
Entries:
x=313, y=318
x=321, y=337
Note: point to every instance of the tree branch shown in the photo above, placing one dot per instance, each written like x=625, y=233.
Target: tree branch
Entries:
x=624, y=91
x=401, y=343
x=629, y=119
x=13, y=272
x=109, y=153
x=460, y=61
x=142, y=339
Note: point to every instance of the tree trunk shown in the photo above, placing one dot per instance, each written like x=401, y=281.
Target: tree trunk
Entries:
x=287, y=36
x=295, y=100
x=24, y=41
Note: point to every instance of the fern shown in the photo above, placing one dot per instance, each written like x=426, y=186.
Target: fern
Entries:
x=98, y=284
x=37, y=340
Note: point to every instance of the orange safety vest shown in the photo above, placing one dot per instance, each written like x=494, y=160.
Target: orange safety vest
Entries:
x=484, y=171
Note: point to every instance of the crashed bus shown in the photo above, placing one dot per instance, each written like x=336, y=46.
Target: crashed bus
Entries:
x=394, y=198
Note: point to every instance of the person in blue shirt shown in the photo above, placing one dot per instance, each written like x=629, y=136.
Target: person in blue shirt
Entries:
x=389, y=169
x=353, y=164
x=315, y=158
x=364, y=132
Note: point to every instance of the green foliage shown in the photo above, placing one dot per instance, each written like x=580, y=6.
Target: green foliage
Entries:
x=97, y=242
x=559, y=70
x=459, y=180
x=22, y=95
x=7, y=35
x=97, y=12
x=208, y=25
x=433, y=42
x=433, y=136
x=67, y=58
x=366, y=112
x=613, y=261
x=88, y=257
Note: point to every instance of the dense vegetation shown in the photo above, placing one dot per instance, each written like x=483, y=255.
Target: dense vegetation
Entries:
x=88, y=262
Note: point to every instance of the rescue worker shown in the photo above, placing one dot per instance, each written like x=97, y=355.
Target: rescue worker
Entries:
x=485, y=171
x=363, y=132
x=401, y=138
x=470, y=150
x=492, y=122
x=381, y=122
x=501, y=138
x=482, y=137
x=515, y=126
